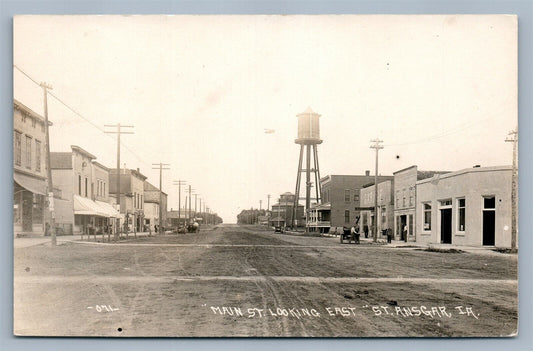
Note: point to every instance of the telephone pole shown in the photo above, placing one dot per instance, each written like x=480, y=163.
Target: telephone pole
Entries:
x=190, y=197
x=179, y=183
x=513, y=138
x=377, y=146
x=161, y=167
x=118, y=132
x=268, y=205
x=50, y=201
x=195, y=204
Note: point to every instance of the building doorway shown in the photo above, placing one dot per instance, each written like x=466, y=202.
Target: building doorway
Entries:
x=489, y=221
x=403, y=228
x=446, y=226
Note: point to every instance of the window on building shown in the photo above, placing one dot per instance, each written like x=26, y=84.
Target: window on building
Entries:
x=142, y=202
x=383, y=215
x=355, y=197
x=79, y=184
x=411, y=226
x=489, y=202
x=86, y=186
x=427, y=217
x=410, y=201
x=347, y=195
x=403, y=201
x=346, y=216
x=33, y=122
x=37, y=155
x=461, y=208
x=104, y=193
x=28, y=152
x=17, y=147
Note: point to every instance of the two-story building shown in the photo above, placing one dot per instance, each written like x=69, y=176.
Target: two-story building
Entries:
x=385, y=209
x=131, y=196
x=340, y=201
x=283, y=212
x=29, y=171
x=152, y=206
x=405, y=181
x=82, y=204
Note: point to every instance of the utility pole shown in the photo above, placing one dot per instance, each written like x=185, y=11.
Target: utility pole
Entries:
x=268, y=204
x=195, y=205
x=118, y=132
x=161, y=167
x=186, y=212
x=377, y=146
x=179, y=183
x=50, y=201
x=190, y=208
x=513, y=138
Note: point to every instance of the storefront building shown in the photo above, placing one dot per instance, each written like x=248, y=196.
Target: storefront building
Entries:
x=29, y=171
x=469, y=207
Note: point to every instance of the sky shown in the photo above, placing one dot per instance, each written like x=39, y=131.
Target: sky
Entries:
x=440, y=91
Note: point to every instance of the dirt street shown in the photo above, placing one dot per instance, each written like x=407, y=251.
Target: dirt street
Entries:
x=234, y=281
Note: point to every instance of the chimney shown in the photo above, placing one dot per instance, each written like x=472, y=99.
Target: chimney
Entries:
x=477, y=166
x=138, y=170
x=367, y=172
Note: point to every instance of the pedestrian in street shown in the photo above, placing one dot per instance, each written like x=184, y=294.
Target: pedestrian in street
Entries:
x=357, y=234
x=365, y=229
x=352, y=234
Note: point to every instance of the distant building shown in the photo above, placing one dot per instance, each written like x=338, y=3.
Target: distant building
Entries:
x=340, y=201
x=468, y=207
x=405, y=181
x=283, y=211
x=131, y=196
x=152, y=206
x=29, y=171
x=82, y=203
x=385, y=208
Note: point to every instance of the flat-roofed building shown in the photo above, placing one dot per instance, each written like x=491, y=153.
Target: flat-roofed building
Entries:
x=469, y=207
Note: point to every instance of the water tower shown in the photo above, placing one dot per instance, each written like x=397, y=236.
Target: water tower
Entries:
x=308, y=138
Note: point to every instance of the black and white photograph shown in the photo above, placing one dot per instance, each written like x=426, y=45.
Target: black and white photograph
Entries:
x=265, y=176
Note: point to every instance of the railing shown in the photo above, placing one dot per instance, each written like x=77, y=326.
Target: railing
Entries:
x=319, y=224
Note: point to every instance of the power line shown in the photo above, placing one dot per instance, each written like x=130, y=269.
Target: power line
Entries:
x=133, y=153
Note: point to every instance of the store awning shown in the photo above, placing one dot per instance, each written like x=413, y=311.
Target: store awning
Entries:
x=36, y=186
x=85, y=206
x=108, y=208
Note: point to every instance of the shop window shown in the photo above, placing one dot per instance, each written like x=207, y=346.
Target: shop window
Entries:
x=427, y=217
x=461, y=209
x=28, y=152
x=411, y=226
x=17, y=147
x=37, y=155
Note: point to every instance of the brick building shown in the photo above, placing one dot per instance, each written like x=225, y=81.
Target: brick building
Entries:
x=340, y=200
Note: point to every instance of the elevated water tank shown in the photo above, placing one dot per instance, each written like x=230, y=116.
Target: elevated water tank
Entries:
x=308, y=127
